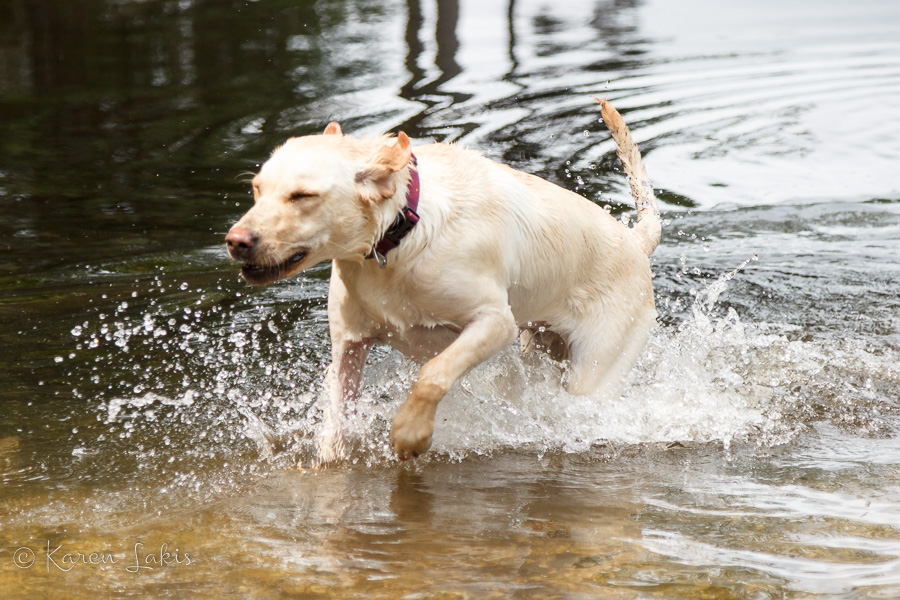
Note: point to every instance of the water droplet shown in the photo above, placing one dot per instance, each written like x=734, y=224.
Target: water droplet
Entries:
x=77, y=330
x=58, y=359
x=183, y=286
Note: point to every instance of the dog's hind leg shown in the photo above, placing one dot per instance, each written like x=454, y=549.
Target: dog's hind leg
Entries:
x=549, y=342
x=601, y=356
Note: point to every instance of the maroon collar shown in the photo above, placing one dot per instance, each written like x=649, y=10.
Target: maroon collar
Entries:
x=406, y=219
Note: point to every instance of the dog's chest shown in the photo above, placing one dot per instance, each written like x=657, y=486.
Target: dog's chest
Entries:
x=400, y=303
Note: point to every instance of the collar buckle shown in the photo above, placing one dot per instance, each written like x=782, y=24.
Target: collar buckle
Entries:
x=380, y=258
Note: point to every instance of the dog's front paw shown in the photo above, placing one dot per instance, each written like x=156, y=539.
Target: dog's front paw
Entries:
x=412, y=429
x=331, y=445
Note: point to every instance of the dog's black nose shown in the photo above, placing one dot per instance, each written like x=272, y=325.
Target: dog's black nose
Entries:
x=240, y=242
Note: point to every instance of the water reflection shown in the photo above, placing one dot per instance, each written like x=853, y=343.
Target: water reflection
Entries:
x=423, y=86
x=464, y=70
x=414, y=23
x=412, y=500
x=537, y=526
x=754, y=453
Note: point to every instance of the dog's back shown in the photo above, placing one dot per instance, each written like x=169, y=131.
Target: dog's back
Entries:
x=557, y=252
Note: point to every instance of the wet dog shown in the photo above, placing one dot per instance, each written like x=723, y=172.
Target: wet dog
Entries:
x=448, y=256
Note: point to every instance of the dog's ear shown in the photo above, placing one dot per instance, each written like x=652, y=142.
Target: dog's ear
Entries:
x=376, y=180
x=333, y=128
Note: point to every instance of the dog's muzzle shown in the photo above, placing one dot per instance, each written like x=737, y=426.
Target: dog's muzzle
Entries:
x=259, y=274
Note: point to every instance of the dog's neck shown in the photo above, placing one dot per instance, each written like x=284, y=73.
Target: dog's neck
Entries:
x=405, y=219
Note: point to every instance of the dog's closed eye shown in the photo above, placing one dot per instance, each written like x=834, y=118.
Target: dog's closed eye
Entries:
x=300, y=195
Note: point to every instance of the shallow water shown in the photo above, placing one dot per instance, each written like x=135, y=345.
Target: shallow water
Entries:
x=156, y=412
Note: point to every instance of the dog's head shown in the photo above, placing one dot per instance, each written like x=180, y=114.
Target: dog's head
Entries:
x=318, y=198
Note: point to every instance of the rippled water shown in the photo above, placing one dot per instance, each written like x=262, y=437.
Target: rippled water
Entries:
x=157, y=412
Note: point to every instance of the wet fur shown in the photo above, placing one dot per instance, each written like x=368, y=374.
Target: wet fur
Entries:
x=497, y=252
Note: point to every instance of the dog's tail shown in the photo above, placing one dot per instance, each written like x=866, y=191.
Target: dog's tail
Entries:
x=648, y=226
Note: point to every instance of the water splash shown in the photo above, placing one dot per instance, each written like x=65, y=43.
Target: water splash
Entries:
x=115, y=406
x=250, y=373
x=691, y=384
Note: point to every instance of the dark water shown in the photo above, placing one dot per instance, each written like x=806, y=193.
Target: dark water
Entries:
x=152, y=404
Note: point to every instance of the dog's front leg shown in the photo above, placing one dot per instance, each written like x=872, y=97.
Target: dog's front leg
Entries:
x=351, y=341
x=487, y=334
x=341, y=387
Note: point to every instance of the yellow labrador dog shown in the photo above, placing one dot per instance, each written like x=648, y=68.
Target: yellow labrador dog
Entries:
x=447, y=256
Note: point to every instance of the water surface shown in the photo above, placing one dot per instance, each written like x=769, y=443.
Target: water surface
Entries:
x=157, y=412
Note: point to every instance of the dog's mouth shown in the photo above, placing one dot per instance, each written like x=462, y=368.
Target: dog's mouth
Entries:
x=263, y=274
